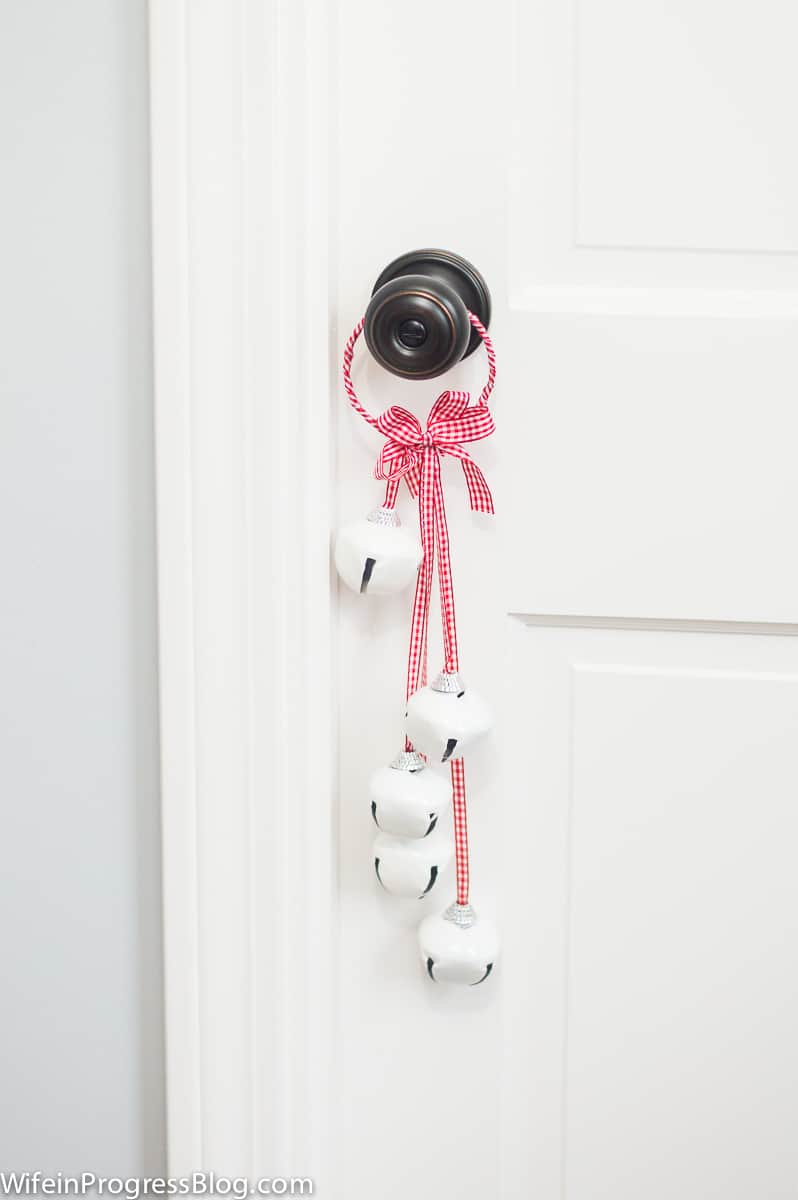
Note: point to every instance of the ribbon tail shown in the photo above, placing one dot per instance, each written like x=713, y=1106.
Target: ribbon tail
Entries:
x=419, y=626
x=479, y=494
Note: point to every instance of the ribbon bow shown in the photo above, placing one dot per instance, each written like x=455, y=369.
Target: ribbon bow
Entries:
x=451, y=422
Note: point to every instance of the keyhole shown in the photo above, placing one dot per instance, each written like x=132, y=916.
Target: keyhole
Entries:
x=412, y=333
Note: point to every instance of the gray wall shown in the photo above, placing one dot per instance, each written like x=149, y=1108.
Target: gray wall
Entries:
x=81, y=1072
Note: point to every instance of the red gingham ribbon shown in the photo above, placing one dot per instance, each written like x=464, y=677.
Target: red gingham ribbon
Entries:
x=450, y=422
x=414, y=455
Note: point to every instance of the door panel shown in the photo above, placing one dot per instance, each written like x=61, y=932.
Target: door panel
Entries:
x=647, y=467
x=652, y=158
x=649, y=986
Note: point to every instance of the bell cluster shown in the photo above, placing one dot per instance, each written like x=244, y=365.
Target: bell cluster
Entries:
x=410, y=798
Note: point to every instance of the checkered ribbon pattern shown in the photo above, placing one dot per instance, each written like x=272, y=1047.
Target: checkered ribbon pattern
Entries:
x=414, y=454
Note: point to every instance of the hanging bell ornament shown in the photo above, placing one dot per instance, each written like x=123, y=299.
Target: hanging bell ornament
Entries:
x=411, y=866
x=376, y=554
x=458, y=946
x=445, y=718
x=406, y=798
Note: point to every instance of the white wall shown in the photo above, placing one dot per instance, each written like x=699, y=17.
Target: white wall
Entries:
x=81, y=1078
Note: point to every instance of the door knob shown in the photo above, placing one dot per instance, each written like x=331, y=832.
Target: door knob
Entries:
x=417, y=322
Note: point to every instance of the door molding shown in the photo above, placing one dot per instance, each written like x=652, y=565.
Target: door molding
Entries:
x=240, y=118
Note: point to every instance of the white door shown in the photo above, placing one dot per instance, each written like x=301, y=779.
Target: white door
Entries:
x=624, y=174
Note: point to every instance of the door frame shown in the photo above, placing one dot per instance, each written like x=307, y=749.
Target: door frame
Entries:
x=241, y=116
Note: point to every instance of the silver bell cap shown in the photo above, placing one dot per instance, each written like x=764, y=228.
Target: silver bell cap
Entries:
x=387, y=517
x=408, y=760
x=461, y=915
x=450, y=682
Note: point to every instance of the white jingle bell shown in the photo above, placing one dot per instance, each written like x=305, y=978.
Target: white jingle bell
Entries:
x=411, y=866
x=406, y=799
x=376, y=554
x=445, y=718
x=457, y=946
